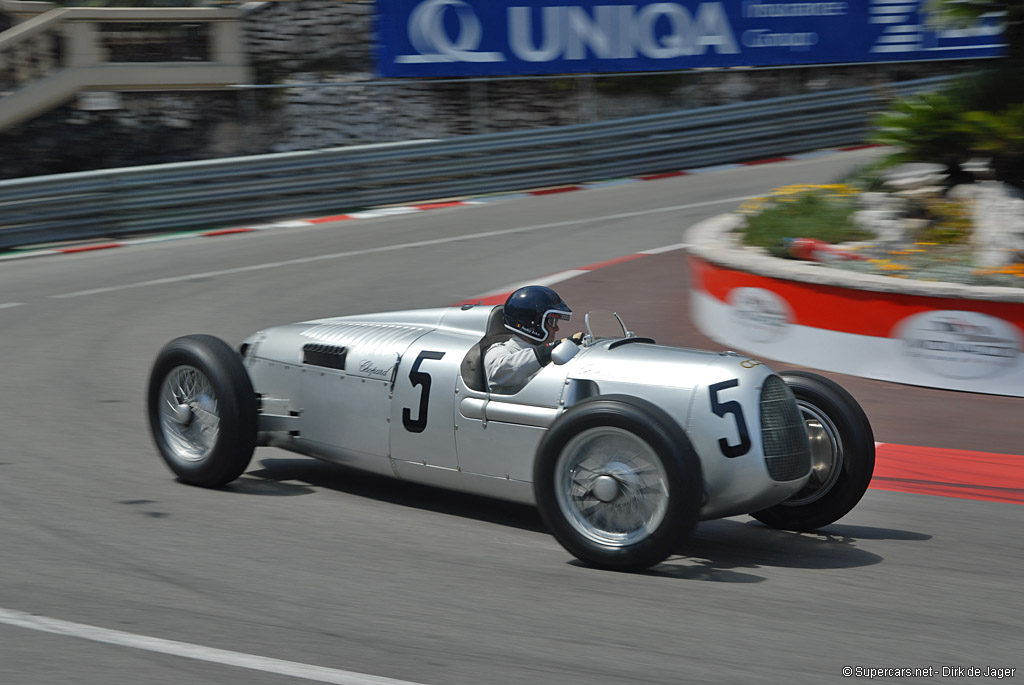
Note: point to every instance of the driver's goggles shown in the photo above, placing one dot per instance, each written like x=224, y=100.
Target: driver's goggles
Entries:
x=553, y=319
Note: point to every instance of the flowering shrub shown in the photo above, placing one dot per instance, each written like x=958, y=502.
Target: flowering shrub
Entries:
x=929, y=261
x=801, y=211
x=937, y=251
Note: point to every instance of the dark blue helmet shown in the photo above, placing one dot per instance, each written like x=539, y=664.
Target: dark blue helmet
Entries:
x=527, y=308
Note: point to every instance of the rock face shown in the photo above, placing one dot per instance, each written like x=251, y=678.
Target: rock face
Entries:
x=290, y=36
x=883, y=215
x=145, y=128
x=998, y=213
x=996, y=209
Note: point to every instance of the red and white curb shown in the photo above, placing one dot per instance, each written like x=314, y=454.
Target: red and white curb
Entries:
x=380, y=212
x=962, y=474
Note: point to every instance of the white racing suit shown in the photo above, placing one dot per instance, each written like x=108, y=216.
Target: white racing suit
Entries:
x=510, y=365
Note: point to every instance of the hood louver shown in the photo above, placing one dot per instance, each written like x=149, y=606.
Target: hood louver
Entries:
x=327, y=356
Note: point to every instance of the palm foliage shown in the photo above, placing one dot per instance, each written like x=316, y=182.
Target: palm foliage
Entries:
x=978, y=117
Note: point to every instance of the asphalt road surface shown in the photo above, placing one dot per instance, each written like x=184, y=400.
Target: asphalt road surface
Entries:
x=302, y=571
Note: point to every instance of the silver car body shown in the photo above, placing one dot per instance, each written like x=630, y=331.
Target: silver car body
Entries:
x=402, y=394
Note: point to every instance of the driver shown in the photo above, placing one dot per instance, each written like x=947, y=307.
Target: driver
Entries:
x=532, y=313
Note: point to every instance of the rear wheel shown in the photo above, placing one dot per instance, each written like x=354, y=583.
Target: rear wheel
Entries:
x=618, y=483
x=842, y=456
x=202, y=410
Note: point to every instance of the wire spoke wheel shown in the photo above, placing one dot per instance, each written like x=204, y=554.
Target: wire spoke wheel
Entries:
x=611, y=486
x=188, y=413
x=202, y=410
x=618, y=483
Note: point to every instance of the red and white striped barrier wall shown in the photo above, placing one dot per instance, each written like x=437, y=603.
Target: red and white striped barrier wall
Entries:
x=941, y=342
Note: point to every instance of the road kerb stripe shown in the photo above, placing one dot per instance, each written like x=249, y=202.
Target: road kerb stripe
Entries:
x=770, y=160
x=88, y=248
x=226, y=231
x=555, y=191
x=962, y=474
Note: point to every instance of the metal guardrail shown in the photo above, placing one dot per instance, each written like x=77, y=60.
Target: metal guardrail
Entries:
x=195, y=195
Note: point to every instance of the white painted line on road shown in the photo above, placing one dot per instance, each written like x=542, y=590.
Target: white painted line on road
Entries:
x=11, y=305
x=28, y=254
x=393, y=248
x=546, y=280
x=666, y=248
x=160, y=238
x=291, y=669
x=298, y=223
x=384, y=211
x=499, y=198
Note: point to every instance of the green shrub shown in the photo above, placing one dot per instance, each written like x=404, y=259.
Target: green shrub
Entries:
x=999, y=136
x=927, y=127
x=802, y=211
x=947, y=127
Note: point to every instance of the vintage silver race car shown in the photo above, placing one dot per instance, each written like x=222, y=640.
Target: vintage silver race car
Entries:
x=622, y=444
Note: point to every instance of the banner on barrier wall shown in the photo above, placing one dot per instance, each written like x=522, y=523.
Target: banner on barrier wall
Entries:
x=969, y=345
x=510, y=37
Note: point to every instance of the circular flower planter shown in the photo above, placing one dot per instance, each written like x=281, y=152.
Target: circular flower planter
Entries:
x=940, y=335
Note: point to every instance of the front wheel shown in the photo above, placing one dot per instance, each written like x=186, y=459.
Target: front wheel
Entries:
x=842, y=456
x=202, y=410
x=618, y=483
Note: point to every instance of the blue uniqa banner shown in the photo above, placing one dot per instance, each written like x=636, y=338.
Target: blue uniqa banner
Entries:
x=506, y=37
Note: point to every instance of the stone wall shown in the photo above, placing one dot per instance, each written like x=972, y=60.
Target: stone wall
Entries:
x=146, y=128
x=325, y=109
x=285, y=37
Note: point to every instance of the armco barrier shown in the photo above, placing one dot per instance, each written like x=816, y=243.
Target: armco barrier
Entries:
x=192, y=195
x=939, y=335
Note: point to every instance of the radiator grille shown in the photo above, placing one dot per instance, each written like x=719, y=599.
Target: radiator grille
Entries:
x=787, y=452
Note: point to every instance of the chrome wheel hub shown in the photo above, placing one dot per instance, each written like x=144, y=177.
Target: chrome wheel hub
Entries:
x=826, y=455
x=182, y=414
x=605, y=488
x=611, y=486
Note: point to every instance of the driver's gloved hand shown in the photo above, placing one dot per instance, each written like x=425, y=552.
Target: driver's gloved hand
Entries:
x=577, y=337
x=543, y=352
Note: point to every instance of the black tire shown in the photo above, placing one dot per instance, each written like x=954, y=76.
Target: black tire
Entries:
x=657, y=441
x=216, y=386
x=839, y=430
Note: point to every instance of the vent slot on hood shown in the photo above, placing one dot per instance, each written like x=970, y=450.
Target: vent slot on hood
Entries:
x=327, y=356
